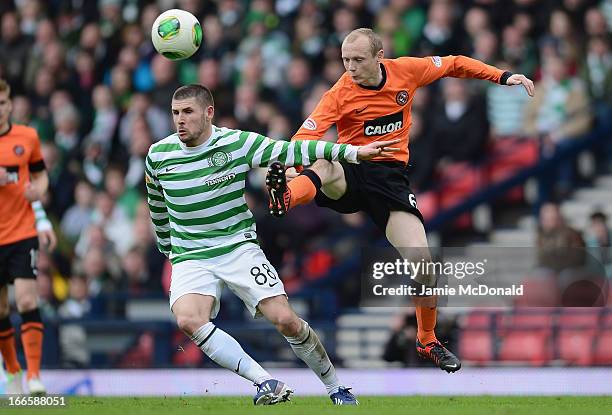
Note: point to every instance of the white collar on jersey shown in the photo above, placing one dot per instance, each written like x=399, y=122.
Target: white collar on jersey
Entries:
x=216, y=132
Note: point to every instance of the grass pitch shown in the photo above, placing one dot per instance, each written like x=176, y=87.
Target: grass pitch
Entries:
x=386, y=405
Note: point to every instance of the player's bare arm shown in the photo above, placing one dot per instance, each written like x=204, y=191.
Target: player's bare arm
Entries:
x=39, y=182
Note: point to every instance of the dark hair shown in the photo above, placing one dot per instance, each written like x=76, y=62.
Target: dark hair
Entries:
x=599, y=215
x=201, y=93
x=375, y=41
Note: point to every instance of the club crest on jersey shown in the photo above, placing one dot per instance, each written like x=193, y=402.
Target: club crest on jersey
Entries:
x=384, y=125
x=309, y=124
x=18, y=150
x=219, y=159
x=437, y=61
x=401, y=98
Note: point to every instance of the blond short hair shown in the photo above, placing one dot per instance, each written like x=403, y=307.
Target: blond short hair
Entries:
x=373, y=38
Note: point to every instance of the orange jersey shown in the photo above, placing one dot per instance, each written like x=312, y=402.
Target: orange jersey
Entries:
x=366, y=114
x=19, y=154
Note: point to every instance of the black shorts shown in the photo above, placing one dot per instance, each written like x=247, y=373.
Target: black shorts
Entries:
x=376, y=188
x=18, y=260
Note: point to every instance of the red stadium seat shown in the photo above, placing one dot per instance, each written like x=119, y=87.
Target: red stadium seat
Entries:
x=532, y=320
x=575, y=346
x=606, y=319
x=476, y=346
x=428, y=204
x=458, y=181
x=586, y=318
x=526, y=346
x=478, y=320
x=603, y=348
x=507, y=156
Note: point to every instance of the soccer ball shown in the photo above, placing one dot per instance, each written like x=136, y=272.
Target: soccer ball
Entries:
x=176, y=34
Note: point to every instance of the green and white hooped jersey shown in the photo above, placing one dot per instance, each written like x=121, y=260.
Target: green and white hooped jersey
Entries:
x=196, y=194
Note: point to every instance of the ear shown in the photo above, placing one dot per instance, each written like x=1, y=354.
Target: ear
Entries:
x=210, y=111
x=380, y=55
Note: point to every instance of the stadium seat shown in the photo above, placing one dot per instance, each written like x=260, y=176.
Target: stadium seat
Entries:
x=575, y=346
x=585, y=318
x=507, y=156
x=606, y=319
x=458, y=181
x=476, y=346
x=478, y=319
x=538, y=319
x=529, y=346
x=428, y=204
x=603, y=348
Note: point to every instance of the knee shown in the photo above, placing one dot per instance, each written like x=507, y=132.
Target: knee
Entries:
x=325, y=170
x=189, y=323
x=287, y=323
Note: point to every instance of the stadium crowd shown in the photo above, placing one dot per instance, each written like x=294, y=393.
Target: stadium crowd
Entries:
x=85, y=75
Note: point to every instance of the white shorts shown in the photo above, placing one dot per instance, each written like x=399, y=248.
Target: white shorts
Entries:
x=246, y=271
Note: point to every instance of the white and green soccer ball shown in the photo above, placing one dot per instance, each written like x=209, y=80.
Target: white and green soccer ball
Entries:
x=176, y=34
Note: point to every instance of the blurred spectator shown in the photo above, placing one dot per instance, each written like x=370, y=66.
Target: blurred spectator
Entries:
x=164, y=75
x=598, y=238
x=13, y=51
x=506, y=108
x=73, y=337
x=438, y=33
x=106, y=118
x=113, y=217
x=156, y=119
x=78, y=217
x=597, y=72
x=422, y=154
x=139, y=145
x=135, y=274
x=459, y=127
x=125, y=198
x=400, y=346
x=558, y=113
x=559, y=246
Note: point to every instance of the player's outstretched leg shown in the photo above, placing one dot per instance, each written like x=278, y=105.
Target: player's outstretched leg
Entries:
x=307, y=346
x=278, y=191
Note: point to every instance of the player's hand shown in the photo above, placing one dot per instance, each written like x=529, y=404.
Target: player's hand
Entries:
x=519, y=79
x=31, y=192
x=3, y=176
x=47, y=240
x=377, y=149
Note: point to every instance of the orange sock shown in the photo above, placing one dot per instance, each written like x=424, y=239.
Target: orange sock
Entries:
x=302, y=190
x=32, y=338
x=7, y=348
x=426, y=323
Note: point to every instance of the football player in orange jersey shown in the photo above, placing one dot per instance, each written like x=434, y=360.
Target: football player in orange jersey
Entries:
x=23, y=180
x=371, y=102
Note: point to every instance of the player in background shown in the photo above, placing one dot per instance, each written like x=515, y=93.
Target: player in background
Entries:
x=196, y=194
x=371, y=102
x=23, y=180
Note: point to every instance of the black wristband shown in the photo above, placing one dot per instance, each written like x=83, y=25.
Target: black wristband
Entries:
x=504, y=77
